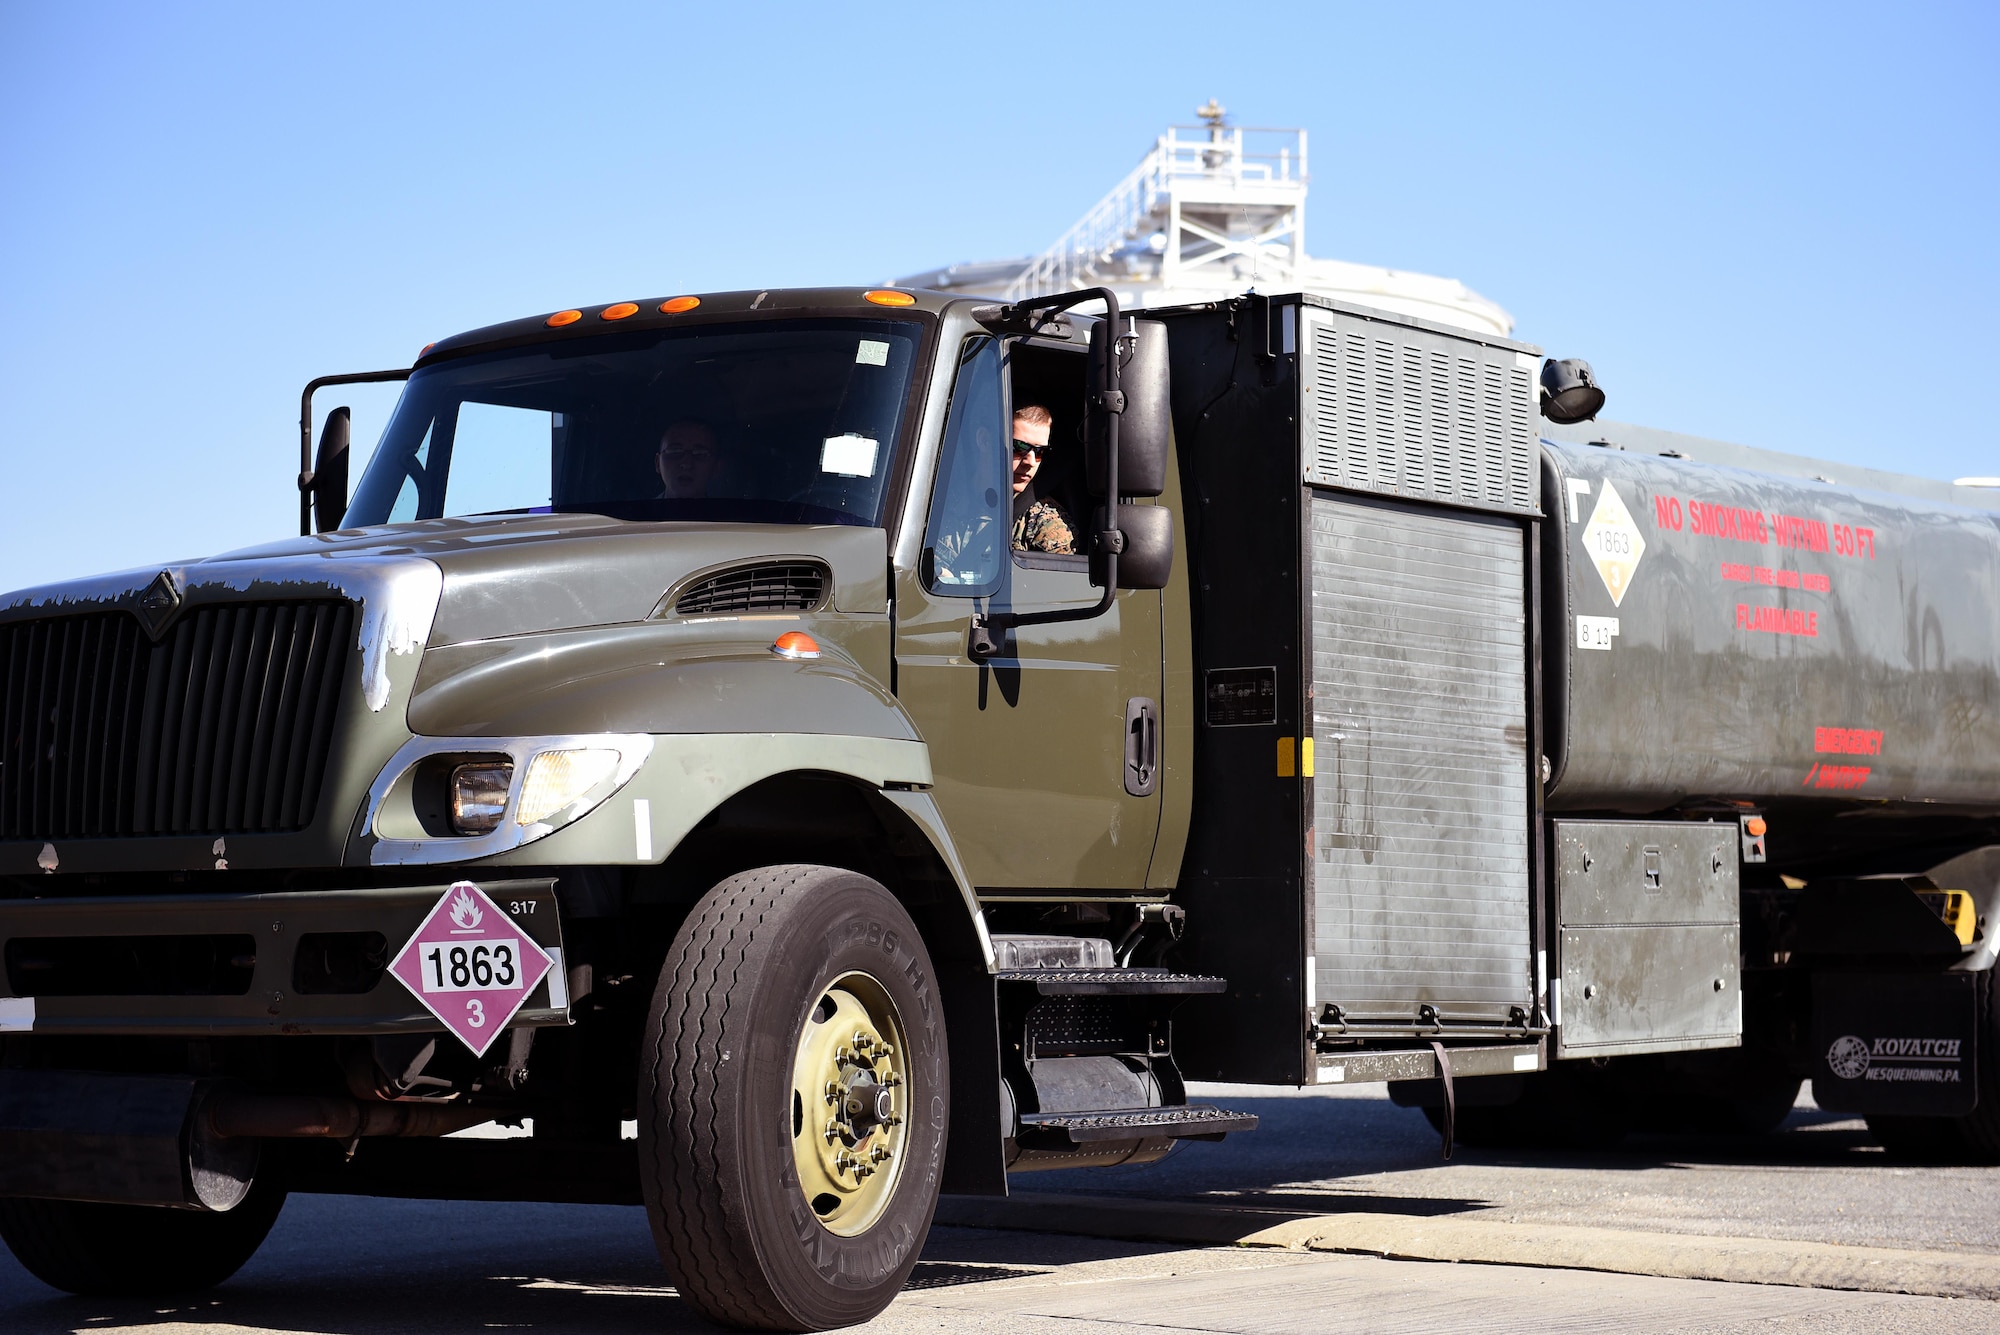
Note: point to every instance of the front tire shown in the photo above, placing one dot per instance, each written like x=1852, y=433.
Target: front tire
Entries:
x=790, y=1166
x=124, y=1251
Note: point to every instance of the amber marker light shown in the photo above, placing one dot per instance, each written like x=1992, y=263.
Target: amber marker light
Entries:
x=561, y=318
x=1755, y=825
x=678, y=305
x=620, y=311
x=885, y=297
x=426, y=352
x=796, y=644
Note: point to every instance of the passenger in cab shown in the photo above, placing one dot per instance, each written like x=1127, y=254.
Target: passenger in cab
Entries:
x=686, y=461
x=1040, y=525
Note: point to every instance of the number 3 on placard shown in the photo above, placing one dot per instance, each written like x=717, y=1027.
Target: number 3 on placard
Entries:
x=475, y=1011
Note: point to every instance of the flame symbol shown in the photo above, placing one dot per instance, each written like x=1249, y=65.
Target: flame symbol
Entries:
x=465, y=910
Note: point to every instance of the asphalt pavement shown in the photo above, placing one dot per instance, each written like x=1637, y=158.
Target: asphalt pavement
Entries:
x=1820, y=1178
x=346, y=1266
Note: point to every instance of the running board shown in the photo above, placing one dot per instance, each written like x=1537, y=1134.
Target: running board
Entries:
x=1196, y=1121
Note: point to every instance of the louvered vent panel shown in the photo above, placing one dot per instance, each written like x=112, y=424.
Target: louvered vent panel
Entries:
x=1402, y=411
x=222, y=727
x=779, y=586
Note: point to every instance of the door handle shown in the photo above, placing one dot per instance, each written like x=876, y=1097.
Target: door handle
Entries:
x=1142, y=746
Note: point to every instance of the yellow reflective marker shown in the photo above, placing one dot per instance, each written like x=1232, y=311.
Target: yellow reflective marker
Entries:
x=1306, y=757
x=1957, y=910
x=1302, y=749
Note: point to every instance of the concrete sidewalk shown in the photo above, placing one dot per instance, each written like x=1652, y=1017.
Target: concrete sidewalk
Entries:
x=1739, y=1260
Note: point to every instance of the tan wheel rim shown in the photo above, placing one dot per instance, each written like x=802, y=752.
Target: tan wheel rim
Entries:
x=849, y=1096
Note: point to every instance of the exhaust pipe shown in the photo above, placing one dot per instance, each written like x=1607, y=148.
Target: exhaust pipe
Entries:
x=310, y=1116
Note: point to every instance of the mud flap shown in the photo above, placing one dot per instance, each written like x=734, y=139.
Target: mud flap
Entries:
x=1901, y=1043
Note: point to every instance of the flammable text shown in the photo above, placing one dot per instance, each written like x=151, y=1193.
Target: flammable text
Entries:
x=1777, y=620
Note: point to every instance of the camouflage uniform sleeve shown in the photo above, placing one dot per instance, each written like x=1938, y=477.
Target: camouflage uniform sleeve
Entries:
x=1045, y=528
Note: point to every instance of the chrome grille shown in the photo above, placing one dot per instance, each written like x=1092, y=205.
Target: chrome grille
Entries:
x=220, y=727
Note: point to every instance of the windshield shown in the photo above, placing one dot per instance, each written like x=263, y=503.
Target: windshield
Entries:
x=791, y=422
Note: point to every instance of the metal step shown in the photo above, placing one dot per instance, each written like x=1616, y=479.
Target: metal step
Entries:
x=1193, y=1121
x=1360, y=1066
x=1114, y=982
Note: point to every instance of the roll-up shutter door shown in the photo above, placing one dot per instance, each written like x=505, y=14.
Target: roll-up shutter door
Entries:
x=1421, y=820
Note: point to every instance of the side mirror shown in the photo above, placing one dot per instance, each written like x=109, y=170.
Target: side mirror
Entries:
x=329, y=476
x=1148, y=557
x=1145, y=429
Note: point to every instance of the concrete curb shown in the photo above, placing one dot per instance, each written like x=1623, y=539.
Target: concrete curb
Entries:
x=1816, y=1265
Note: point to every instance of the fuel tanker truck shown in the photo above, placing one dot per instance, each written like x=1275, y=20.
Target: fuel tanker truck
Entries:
x=670, y=732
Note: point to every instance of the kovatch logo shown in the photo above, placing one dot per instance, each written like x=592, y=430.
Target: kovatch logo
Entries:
x=1914, y=1061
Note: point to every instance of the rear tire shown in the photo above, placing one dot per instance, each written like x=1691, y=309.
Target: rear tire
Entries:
x=761, y=1217
x=1568, y=1108
x=1924, y=1140
x=124, y=1251
x=1755, y=1115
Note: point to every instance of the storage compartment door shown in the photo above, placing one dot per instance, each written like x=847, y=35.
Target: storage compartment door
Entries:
x=1420, y=791
x=1651, y=946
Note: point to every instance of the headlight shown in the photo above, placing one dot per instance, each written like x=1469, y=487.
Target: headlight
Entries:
x=558, y=779
x=446, y=799
x=479, y=795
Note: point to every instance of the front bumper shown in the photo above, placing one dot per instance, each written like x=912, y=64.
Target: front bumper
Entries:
x=305, y=962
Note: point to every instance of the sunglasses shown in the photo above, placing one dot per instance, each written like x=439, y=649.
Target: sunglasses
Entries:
x=1023, y=447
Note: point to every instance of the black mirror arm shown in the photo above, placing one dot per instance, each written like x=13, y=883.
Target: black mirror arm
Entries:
x=305, y=430
x=989, y=627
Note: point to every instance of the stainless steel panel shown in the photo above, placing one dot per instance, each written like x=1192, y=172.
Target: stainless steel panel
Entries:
x=1619, y=872
x=1649, y=989
x=1398, y=409
x=1420, y=885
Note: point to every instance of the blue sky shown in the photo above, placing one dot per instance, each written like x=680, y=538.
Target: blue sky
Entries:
x=1772, y=224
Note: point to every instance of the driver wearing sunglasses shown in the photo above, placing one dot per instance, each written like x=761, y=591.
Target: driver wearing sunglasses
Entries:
x=1039, y=524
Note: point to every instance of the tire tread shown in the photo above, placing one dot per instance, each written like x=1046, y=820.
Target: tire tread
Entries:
x=692, y=1237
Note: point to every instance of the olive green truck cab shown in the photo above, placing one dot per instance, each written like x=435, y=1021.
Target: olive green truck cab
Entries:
x=667, y=732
